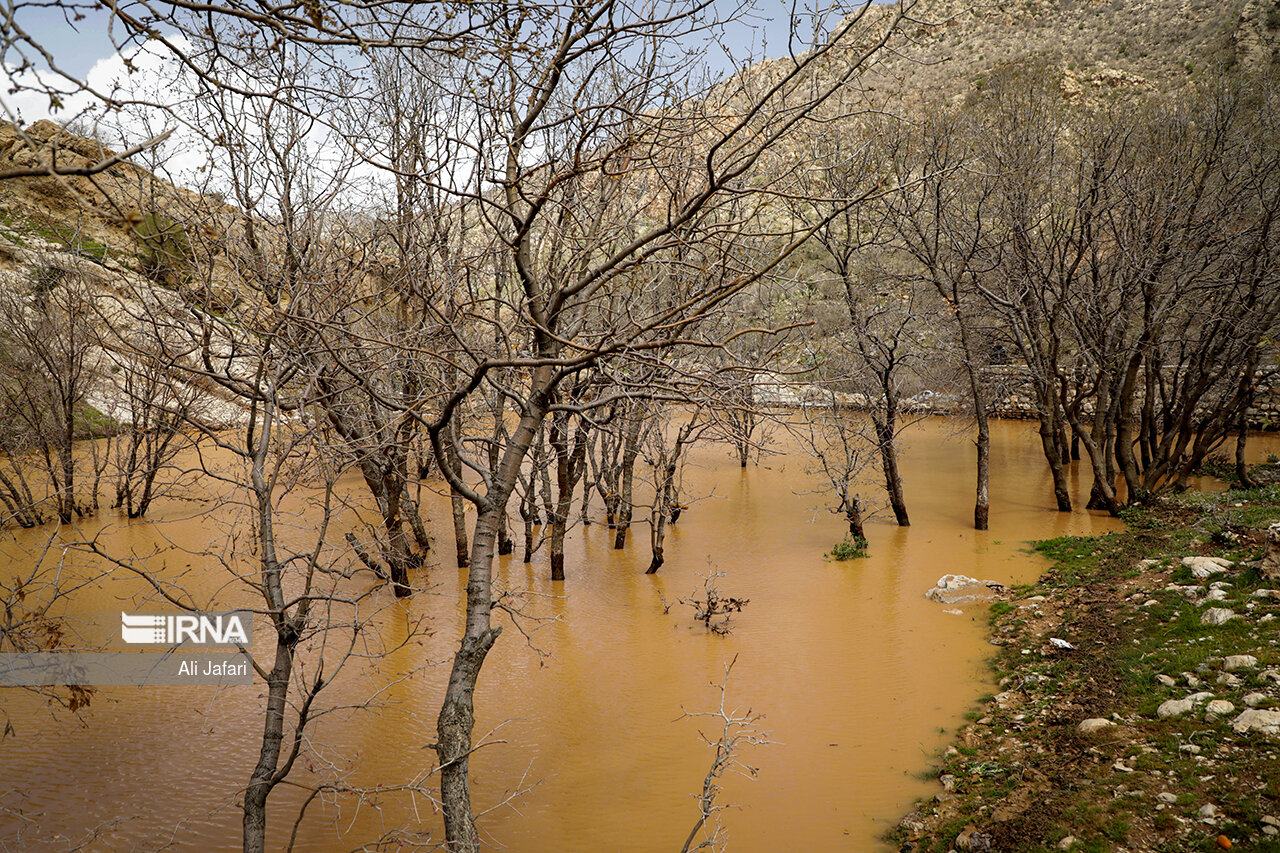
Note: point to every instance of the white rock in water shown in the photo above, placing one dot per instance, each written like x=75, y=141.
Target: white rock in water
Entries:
x=1217, y=616
x=1203, y=567
x=1233, y=662
x=954, y=589
x=1257, y=720
x=1174, y=708
x=1093, y=725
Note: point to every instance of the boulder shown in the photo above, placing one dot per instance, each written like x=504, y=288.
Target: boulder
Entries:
x=1270, y=567
x=1094, y=725
x=1257, y=720
x=1219, y=708
x=956, y=589
x=1234, y=662
x=1174, y=708
x=1217, y=616
x=1203, y=567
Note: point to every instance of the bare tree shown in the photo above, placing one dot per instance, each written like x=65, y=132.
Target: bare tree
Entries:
x=841, y=451
x=48, y=340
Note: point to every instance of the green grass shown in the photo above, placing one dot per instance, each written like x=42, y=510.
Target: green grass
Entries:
x=1098, y=585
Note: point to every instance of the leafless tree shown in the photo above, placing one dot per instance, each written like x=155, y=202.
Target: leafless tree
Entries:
x=48, y=340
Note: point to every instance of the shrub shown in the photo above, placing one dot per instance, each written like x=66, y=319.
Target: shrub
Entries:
x=166, y=249
x=850, y=549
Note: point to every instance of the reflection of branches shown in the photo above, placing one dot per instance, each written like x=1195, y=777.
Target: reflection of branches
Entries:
x=737, y=730
x=28, y=597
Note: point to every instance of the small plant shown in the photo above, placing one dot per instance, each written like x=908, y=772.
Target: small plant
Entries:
x=45, y=278
x=999, y=608
x=850, y=549
x=166, y=250
x=1221, y=524
x=713, y=609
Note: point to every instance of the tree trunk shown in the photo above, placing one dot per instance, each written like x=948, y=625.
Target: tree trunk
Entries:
x=853, y=514
x=262, y=780
x=457, y=712
x=1242, y=438
x=886, y=429
x=505, y=543
x=629, y=453
x=459, y=528
x=457, y=502
x=982, y=500
x=1053, y=447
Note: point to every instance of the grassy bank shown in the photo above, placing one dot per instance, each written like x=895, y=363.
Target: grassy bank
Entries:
x=1023, y=776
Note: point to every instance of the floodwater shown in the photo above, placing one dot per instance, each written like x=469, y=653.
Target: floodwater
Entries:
x=860, y=679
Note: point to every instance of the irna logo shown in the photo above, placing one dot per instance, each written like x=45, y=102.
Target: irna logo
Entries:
x=196, y=629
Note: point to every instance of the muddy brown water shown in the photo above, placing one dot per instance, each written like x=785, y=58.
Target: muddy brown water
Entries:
x=860, y=679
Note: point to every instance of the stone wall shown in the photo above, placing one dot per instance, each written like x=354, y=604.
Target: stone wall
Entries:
x=1014, y=398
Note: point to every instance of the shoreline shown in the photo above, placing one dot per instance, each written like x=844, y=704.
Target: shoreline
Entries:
x=1160, y=731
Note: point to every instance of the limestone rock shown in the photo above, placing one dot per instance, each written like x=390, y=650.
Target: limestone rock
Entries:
x=1234, y=662
x=1094, y=725
x=955, y=589
x=1174, y=708
x=1219, y=708
x=1270, y=567
x=1256, y=720
x=1253, y=700
x=1203, y=567
x=1217, y=616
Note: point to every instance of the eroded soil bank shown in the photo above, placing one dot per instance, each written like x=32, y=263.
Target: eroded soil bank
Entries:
x=1177, y=670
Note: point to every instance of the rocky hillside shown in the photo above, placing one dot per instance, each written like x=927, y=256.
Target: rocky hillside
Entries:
x=950, y=46
x=116, y=239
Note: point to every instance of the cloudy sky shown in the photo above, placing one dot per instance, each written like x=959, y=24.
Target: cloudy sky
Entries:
x=86, y=48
